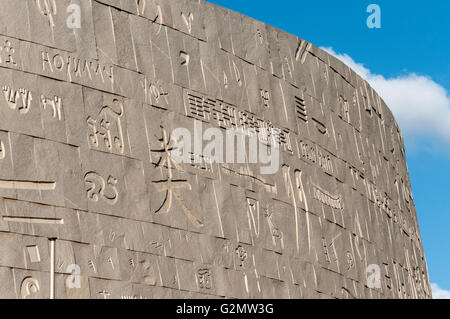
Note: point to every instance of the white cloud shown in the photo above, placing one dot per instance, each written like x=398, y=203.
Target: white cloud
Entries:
x=439, y=293
x=420, y=105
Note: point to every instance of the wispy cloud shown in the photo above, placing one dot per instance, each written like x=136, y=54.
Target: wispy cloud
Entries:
x=420, y=105
x=439, y=293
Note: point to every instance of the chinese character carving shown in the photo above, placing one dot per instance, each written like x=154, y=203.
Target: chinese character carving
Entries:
x=170, y=184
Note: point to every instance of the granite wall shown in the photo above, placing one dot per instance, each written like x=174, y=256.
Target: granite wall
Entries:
x=86, y=161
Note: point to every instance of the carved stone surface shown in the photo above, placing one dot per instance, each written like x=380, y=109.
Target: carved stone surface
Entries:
x=85, y=158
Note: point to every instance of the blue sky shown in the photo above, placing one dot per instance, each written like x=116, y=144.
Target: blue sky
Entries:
x=408, y=62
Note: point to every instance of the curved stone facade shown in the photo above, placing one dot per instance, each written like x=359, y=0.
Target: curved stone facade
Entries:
x=93, y=204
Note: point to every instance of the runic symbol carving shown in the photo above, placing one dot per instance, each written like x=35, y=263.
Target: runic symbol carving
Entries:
x=237, y=74
x=259, y=37
x=289, y=68
x=188, y=19
x=2, y=150
x=104, y=130
x=320, y=127
x=301, y=197
x=148, y=274
x=113, y=237
x=276, y=233
x=327, y=247
x=29, y=287
x=158, y=92
x=253, y=215
x=159, y=17
x=300, y=106
x=343, y=289
x=92, y=266
x=204, y=278
x=60, y=264
x=8, y=52
x=55, y=104
x=350, y=260
x=141, y=6
x=344, y=109
x=13, y=97
x=33, y=252
x=48, y=9
x=185, y=58
x=241, y=254
x=265, y=95
x=169, y=185
x=111, y=262
x=302, y=51
x=104, y=293
x=96, y=188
